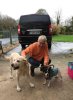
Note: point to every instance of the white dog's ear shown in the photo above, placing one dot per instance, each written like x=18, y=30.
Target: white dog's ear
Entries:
x=25, y=60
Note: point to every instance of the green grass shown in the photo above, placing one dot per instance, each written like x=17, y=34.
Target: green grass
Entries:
x=62, y=38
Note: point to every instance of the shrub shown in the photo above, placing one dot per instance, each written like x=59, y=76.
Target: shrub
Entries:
x=56, y=29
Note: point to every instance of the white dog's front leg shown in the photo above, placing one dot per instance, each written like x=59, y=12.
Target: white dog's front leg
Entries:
x=11, y=75
x=18, y=86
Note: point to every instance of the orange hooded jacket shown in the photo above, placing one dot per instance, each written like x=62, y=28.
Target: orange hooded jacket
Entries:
x=37, y=52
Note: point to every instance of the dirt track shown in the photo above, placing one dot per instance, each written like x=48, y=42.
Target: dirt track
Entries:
x=57, y=90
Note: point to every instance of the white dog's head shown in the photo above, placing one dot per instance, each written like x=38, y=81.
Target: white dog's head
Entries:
x=17, y=62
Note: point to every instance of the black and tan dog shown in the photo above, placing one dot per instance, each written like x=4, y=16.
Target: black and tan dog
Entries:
x=50, y=73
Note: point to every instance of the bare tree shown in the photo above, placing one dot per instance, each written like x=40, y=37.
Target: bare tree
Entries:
x=58, y=17
x=69, y=24
x=7, y=22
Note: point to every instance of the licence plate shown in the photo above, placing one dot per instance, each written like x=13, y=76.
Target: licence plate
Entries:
x=34, y=33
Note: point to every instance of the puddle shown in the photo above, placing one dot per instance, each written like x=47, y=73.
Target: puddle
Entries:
x=62, y=47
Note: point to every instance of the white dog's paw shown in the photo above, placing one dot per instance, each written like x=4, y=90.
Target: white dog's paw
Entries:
x=18, y=89
x=31, y=85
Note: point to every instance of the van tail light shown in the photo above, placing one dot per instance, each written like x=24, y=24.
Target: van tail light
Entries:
x=50, y=29
x=19, y=29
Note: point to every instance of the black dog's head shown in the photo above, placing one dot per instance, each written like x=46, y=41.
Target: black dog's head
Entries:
x=48, y=71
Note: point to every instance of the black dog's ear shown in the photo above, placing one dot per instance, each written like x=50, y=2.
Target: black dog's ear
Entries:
x=49, y=69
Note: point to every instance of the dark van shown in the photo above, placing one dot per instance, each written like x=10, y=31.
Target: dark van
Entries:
x=33, y=25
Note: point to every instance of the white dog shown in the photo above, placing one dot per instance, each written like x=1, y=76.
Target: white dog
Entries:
x=20, y=64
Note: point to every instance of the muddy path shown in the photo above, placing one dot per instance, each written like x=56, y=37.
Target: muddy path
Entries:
x=57, y=90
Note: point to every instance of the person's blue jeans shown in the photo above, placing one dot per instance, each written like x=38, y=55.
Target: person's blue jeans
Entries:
x=34, y=62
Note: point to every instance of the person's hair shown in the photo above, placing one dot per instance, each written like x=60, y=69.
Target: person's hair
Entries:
x=42, y=38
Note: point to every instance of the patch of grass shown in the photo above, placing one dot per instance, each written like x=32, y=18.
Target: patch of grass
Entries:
x=62, y=38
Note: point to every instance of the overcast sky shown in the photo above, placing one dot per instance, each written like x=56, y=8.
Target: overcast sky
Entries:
x=16, y=8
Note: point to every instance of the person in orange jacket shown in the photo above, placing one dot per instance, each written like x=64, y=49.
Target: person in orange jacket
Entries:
x=37, y=53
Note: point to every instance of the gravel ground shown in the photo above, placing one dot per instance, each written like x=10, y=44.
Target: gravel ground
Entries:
x=57, y=91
